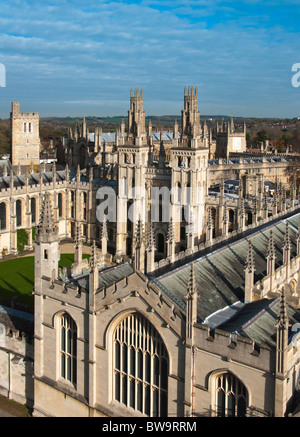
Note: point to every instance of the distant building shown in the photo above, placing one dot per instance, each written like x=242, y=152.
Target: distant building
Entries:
x=25, y=137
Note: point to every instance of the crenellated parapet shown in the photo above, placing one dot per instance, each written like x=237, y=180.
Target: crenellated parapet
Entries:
x=230, y=347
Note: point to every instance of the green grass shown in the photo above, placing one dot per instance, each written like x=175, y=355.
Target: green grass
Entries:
x=17, y=277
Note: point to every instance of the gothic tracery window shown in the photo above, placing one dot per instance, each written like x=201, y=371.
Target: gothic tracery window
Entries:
x=60, y=205
x=19, y=212
x=231, y=396
x=68, y=348
x=140, y=367
x=2, y=216
x=33, y=209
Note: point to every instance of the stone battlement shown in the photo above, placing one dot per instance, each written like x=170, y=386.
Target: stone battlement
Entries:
x=232, y=347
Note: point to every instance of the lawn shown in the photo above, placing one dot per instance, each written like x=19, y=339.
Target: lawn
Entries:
x=17, y=277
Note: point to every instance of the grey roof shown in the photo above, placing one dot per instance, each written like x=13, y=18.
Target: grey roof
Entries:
x=107, y=276
x=33, y=179
x=220, y=274
x=16, y=320
x=247, y=159
x=257, y=321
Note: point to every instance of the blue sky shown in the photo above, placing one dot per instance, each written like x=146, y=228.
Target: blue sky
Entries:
x=75, y=58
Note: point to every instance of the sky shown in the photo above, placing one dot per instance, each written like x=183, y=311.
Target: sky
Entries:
x=75, y=58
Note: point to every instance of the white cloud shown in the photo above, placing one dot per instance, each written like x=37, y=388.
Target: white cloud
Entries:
x=70, y=51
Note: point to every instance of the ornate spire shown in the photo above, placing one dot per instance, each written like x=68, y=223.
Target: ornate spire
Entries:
x=284, y=196
x=46, y=224
x=250, y=265
x=209, y=220
x=139, y=233
x=286, y=245
x=171, y=235
x=282, y=318
x=191, y=306
x=93, y=259
x=271, y=247
x=104, y=230
x=78, y=235
x=249, y=273
x=191, y=286
x=271, y=255
x=255, y=205
x=150, y=239
x=242, y=208
x=265, y=207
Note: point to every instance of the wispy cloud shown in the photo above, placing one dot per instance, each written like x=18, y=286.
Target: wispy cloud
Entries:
x=238, y=53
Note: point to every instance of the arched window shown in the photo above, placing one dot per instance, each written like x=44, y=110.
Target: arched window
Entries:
x=84, y=205
x=33, y=209
x=231, y=396
x=161, y=243
x=72, y=205
x=141, y=367
x=2, y=216
x=249, y=216
x=68, y=348
x=60, y=205
x=213, y=216
x=19, y=212
x=160, y=211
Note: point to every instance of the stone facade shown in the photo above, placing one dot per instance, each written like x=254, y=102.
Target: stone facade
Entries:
x=116, y=314
x=25, y=137
x=16, y=355
x=193, y=316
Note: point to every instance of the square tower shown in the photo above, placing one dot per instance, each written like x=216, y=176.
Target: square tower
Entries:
x=25, y=137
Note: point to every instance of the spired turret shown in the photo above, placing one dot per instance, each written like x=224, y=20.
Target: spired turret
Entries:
x=47, y=250
x=190, y=119
x=136, y=118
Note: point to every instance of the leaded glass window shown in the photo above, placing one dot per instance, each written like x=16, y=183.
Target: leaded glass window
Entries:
x=140, y=367
x=68, y=348
x=231, y=396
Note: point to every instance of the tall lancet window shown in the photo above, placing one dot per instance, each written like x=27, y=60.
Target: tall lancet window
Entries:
x=231, y=396
x=68, y=348
x=141, y=367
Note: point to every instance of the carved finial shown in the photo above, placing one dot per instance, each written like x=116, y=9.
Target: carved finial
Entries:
x=271, y=247
x=93, y=259
x=192, y=285
x=139, y=233
x=104, y=230
x=282, y=318
x=171, y=234
x=151, y=239
x=250, y=265
x=209, y=219
x=46, y=224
